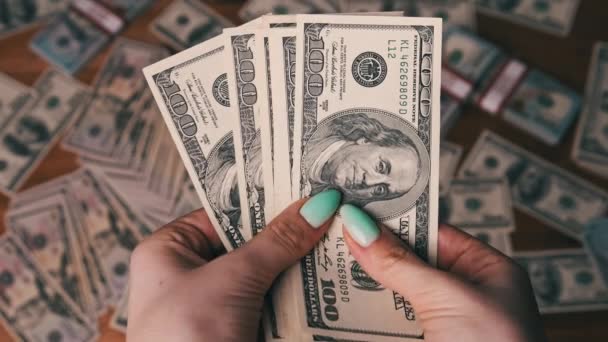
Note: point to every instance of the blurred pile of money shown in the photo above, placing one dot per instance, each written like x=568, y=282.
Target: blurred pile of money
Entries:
x=248, y=119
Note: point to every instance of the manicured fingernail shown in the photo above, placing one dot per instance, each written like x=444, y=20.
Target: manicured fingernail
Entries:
x=321, y=207
x=362, y=228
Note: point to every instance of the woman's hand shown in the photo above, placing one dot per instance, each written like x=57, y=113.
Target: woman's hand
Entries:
x=477, y=294
x=182, y=289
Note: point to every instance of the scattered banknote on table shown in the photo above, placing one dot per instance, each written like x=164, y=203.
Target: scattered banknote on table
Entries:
x=19, y=15
x=595, y=240
x=479, y=204
x=540, y=189
x=28, y=135
x=13, y=97
x=186, y=23
x=564, y=281
x=500, y=240
x=449, y=158
x=256, y=8
x=75, y=36
x=526, y=97
x=33, y=306
x=551, y=16
x=230, y=149
x=590, y=149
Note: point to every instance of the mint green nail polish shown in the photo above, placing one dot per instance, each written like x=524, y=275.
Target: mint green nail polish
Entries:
x=321, y=207
x=361, y=227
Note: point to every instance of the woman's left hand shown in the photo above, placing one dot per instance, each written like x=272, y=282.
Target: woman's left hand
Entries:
x=183, y=289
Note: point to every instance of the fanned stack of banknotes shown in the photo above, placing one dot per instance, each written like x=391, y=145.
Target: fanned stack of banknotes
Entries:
x=248, y=119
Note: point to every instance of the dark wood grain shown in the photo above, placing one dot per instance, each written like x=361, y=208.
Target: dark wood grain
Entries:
x=565, y=58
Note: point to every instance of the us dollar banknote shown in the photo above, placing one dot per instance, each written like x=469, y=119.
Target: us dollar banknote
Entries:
x=30, y=133
x=34, y=308
x=69, y=41
x=18, y=15
x=282, y=62
x=111, y=233
x=13, y=97
x=246, y=70
x=479, y=204
x=256, y=8
x=188, y=22
x=538, y=188
x=46, y=230
x=595, y=240
x=564, y=281
x=498, y=239
x=192, y=92
x=453, y=12
x=449, y=157
x=554, y=17
x=367, y=124
x=590, y=149
x=120, y=94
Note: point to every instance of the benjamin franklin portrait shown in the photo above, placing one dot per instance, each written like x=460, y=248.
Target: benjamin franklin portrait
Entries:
x=374, y=158
x=546, y=281
x=222, y=183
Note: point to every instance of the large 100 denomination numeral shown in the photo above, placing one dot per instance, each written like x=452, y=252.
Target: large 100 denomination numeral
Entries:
x=192, y=92
x=366, y=123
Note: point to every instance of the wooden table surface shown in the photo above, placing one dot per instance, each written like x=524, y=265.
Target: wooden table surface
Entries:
x=566, y=58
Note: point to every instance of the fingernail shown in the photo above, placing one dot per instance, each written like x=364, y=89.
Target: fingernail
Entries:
x=321, y=207
x=362, y=228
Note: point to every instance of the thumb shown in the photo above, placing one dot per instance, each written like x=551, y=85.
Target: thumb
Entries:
x=291, y=235
x=389, y=260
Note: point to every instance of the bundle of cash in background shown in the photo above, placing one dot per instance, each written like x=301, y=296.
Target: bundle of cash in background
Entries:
x=148, y=157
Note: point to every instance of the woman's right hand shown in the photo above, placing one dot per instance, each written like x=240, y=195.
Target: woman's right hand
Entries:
x=477, y=294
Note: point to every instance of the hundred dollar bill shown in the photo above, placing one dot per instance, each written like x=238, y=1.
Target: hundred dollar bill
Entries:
x=564, y=281
x=99, y=286
x=69, y=41
x=595, y=240
x=119, y=97
x=13, y=97
x=538, y=188
x=32, y=308
x=479, y=204
x=46, y=230
x=526, y=97
x=538, y=104
x=186, y=23
x=453, y=12
x=495, y=238
x=72, y=38
x=554, y=17
x=451, y=109
x=18, y=15
x=110, y=231
x=191, y=90
x=367, y=124
x=590, y=149
x=467, y=55
x=256, y=8
x=245, y=66
x=449, y=157
x=30, y=133
x=282, y=62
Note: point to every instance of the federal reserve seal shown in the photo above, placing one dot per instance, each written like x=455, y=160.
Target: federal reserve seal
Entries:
x=362, y=280
x=369, y=69
x=220, y=90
